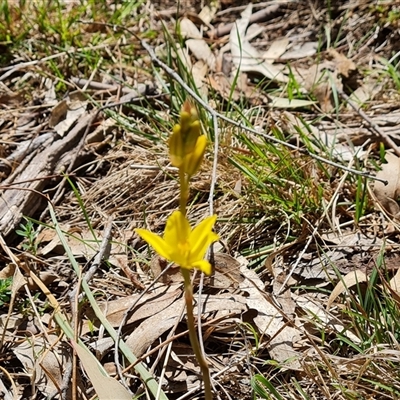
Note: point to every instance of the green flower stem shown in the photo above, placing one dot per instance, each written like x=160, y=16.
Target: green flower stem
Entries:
x=184, y=188
x=193, y=336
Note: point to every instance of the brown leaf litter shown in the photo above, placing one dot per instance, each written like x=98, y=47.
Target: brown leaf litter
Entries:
x=118, y=162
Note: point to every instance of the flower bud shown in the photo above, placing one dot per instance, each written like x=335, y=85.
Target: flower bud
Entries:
x=186, y=144
x=194, y=159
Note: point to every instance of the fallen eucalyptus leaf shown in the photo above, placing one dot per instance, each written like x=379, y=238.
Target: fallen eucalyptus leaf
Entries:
x=246, y=57
x=107, y=388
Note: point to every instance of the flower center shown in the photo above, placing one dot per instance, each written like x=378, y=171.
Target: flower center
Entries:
x=184, y=250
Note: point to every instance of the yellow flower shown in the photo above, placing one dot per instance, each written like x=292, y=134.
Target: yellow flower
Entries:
x=192, y=161
x=186, y=144
x=182, y=244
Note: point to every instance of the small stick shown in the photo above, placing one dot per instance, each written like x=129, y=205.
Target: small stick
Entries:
x=385, y=137
x=140, y=90
x=103, y=253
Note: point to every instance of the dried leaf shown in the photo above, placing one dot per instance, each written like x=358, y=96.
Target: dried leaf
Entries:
x=269, y=320
x=202, y=51
x=81, y=243
x=343, y=65
x=149, y=304
x=322, y=318
x=279, y=102
x=245, y=56
x=208, y=12
x=349, y=280
x=154, y=326
x=387, y=195
x=7, y=271
x=107, y=388
x=306, y=49
x=58, y=112
x=199, y=72
x=395, y=282
x=45, y=361
x=189, y=29
x=227, y=272
x=277, y=48
x=367, y=91
x=320, y=78
x=220, y=83
x=75, y=109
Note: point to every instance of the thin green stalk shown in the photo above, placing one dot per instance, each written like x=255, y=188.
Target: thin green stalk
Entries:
x=192, y=334
x=184, y=188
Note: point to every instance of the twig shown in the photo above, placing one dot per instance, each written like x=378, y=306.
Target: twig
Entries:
x=140, y=90
x=103, y=253
x=385, y=137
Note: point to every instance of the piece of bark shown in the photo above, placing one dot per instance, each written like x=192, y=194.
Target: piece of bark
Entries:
x=23, y=149
x=23, y=199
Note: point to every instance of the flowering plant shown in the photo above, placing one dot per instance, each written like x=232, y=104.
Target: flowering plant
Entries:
x=180, y=243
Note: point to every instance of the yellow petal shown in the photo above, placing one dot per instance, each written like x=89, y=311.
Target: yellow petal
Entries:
x=191, y=137
x=177, y=230
x=155, y=241
x=203, y=266
x=201, y=237
x=193, y=161
x=185, y=122
x=175, y=145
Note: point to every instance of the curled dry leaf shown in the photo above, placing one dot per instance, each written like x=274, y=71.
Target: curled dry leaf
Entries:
x=208, y=12
x=66, y=113
x=387, y=195
x=202, y=52
x=320, y=78
x=344, y=66
x=351, y=279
